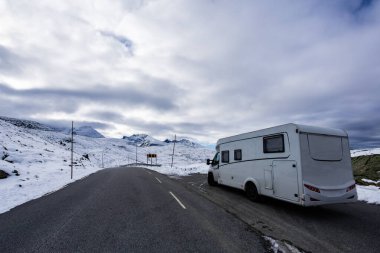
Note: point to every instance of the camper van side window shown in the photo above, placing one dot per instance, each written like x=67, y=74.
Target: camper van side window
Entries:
x=237, y=154
x=225, y=156
x=274, y=144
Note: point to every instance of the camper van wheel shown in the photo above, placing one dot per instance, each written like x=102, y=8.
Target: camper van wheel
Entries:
x=210, y=179
x=251, y=191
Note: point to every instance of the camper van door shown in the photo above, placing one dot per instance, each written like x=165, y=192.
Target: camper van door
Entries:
x=285, y=179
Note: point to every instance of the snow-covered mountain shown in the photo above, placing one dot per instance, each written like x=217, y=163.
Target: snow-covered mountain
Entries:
x=29, y=124
x=38, y=160
x=87, y=131
x=142, y=140
x=185, y=142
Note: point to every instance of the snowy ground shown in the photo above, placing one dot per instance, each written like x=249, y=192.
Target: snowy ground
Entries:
x=38, y=162
x=281, y=247
x=370, y=194
x=42, y=158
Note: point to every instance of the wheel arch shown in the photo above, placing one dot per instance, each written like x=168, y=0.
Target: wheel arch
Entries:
x=254, y=181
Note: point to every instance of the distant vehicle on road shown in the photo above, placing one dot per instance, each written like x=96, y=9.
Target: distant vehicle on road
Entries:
x=301, y=164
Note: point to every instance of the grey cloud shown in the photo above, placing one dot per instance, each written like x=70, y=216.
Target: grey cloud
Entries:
x=78, y=123
x=150, y=127
x=362, y=5
x=243, y=66
x=20, y=106
x=166, y=130
x=127, y=43
x=155, y=128
x=107, y=116
x=133, y=5
x=67, y=99
x=362, y=133
x=10, y=62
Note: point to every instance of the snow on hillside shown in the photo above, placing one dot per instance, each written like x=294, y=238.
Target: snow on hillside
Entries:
x=84, y=131
x=185, y=142
x=142, y=140
x=38, y=161
x=27, y=124
x=360, y=152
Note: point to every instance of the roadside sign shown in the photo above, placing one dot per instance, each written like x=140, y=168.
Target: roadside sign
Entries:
x=151, y=156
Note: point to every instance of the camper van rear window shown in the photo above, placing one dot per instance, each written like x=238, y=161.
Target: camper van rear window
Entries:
x=225, y=156
x=237, y=154
x=274, y=144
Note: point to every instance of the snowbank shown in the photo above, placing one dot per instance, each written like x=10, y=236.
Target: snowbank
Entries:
x=369, y=194
x=183, y=170
x=361, y=152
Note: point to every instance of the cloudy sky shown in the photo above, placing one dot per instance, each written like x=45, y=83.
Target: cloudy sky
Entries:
x=198, y=68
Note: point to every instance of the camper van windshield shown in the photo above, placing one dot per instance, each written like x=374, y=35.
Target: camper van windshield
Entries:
x=215, y=160
x=325, y=148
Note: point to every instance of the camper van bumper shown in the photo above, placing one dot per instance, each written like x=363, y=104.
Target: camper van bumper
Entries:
x=308, y=200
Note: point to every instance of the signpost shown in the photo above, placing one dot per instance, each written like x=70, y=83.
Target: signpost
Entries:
x=151, y=156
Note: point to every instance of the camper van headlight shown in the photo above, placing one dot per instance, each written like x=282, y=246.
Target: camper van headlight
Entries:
x=312, y=188
x=350, y=188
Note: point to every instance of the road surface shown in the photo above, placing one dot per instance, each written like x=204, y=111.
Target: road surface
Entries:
x=125, y=210
x=332, y=228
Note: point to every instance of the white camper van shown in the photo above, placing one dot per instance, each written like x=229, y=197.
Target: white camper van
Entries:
x=301, y=164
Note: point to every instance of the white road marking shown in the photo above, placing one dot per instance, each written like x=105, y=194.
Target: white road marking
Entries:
x=159, y=180
x=179, y=202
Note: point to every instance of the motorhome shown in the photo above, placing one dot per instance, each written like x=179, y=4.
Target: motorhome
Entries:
x=305, y=165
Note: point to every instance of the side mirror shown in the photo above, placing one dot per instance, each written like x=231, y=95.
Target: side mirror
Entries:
x=208, y=162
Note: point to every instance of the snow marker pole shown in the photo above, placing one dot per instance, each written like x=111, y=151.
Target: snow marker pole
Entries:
x=175, y=140
x=72, y=148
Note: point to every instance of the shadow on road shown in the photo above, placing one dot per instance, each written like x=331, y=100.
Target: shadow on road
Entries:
x=349, y=227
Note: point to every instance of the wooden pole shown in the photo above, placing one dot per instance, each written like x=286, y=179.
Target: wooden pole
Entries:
x=103, y=159
x=72, y=148
x=175, y=140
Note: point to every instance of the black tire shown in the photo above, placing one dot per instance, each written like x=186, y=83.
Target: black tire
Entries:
x=210, y=180
x=251, y=192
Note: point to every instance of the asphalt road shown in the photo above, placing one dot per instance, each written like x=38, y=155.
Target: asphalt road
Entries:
x=332, y=228
x=125, y=210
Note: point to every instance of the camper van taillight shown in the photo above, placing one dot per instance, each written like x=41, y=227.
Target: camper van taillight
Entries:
x=312, y=188
x=350, y=188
